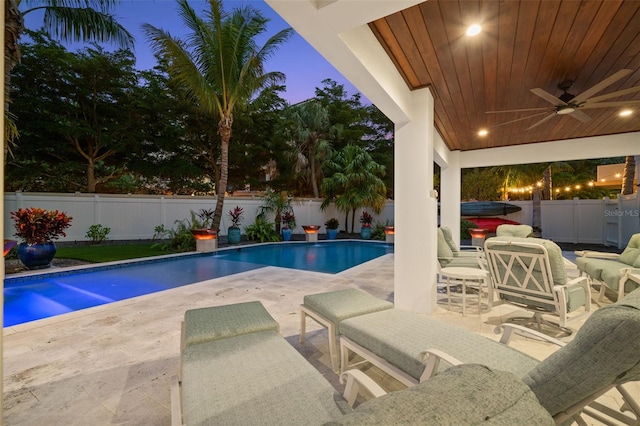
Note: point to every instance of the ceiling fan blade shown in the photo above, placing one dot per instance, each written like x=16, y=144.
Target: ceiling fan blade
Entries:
x=614, y=94
x=547, y=96
x=581, y=116
x=517, y=110
x=518, y=119
x=548, y=117
x=610, y=104
x=602, y=85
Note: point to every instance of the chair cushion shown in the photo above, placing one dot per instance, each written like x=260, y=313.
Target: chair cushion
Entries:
x=448, y=237
x=399, y=337
x=507, y=230
x=629, y=255
x=594, y=267
x=463, y=395
x=254, y=379
x=605, y=351
x=337, y=306
x=612, y=274
x=445, y=254
x=219, y=322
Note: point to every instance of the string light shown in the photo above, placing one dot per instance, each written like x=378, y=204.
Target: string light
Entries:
x=577, y=187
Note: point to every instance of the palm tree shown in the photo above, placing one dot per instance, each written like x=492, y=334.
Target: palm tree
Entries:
x=356, y=182
x=220, y=67
x=628, y=175
x=69, y=21
x=311, y=132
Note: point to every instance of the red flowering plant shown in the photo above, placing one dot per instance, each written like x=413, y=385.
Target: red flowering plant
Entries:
x=236, y=216
x=366, y=219
x=288, y=220
x=38, y=226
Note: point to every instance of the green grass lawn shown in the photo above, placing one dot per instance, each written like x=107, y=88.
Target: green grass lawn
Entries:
x=110, y=252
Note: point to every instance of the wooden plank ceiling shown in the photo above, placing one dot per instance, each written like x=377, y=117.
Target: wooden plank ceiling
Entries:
x=523, y=45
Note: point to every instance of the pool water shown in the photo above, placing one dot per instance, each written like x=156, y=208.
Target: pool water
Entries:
x=30, y=298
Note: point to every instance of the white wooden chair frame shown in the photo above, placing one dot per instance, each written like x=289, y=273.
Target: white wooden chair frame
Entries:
x=536, y=285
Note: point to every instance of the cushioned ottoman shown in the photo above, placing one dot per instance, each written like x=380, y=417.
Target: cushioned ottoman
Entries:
x=331, y=308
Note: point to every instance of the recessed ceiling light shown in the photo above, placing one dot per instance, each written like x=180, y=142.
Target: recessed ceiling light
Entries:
x=473, y=30
x=625, y=113
x=483, y=132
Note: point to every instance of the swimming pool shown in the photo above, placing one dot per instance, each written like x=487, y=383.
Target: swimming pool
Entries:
x=29, y=298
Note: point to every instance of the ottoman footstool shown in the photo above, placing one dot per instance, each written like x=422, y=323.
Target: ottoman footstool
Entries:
x=329, y=309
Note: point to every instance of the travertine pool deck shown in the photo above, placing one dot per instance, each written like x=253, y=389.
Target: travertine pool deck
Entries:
x=112, y=364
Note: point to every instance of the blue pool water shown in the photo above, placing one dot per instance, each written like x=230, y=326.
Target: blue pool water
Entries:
x=41, y=296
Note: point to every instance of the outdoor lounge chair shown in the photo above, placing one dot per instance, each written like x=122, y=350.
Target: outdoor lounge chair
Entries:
x=613, y=271
x=530, y=273
x=238, y=370
x=604, y=354
x=451, y=254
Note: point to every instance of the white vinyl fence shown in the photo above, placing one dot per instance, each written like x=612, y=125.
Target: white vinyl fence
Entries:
x=134, y=217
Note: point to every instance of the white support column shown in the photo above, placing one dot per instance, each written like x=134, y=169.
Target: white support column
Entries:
x=415, y=209
x=450, y=176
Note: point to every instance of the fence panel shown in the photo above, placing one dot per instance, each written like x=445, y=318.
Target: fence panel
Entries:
x=136, y=217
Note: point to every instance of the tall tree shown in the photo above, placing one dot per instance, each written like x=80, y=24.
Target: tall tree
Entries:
x=86, y=99
x=68, y=21
x=356, y=182
x=219, y=66
x=311, y=134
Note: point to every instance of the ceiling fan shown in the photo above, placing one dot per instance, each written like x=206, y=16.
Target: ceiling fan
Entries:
x=568, y=104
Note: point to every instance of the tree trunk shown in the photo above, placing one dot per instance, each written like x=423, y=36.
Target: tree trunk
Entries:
x=224, y=130
x=353, y=220
x=91, y=176
x=537, y=213
x=547, y=187
x=628, y=175
x=346, y=222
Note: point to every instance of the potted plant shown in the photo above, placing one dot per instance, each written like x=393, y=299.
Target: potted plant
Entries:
x=233, y=233
x=38, y=228
x=288, y=223
x=365, y=227
x=332, y=228
x=203, y=230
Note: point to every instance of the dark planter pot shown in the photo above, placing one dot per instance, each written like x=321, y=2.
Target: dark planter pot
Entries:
x=365, y=233
x=233, y=235
x=36, y=256
x=286, y=234
x=332, y=234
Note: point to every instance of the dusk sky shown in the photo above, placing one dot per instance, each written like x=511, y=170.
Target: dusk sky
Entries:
x=303, y=66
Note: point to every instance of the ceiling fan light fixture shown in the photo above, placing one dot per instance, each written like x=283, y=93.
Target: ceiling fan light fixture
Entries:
x=473, y=30
x=565, y=110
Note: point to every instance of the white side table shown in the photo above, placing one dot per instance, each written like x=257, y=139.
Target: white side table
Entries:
x=468, y=276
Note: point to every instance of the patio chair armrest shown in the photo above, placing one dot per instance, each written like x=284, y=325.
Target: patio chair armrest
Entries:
x=433, y=358
x=510, y=329
x=472, y=249
x=356, y=378
x=575, y=282
x=598, y=254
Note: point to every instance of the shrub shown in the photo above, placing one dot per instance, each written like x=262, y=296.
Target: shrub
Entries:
x=97, y=233
x=377, y=232
x=262, y=230
x=366, y=219
x=332, y=223
x=38, y=226
x=465, y=225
